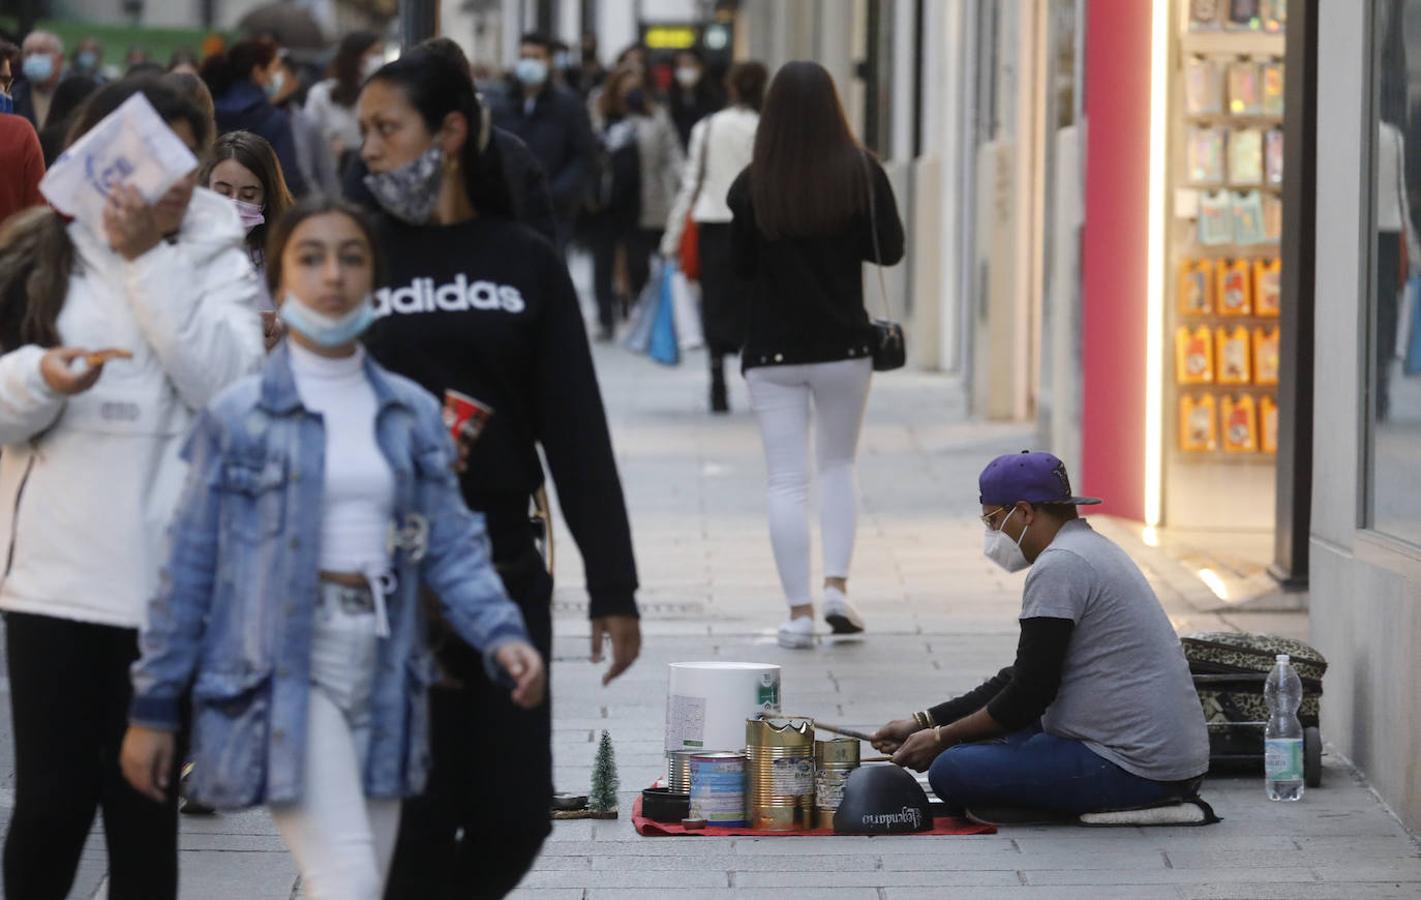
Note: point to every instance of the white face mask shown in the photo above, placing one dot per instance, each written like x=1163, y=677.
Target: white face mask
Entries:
x=1002, y=550
x=688, y=76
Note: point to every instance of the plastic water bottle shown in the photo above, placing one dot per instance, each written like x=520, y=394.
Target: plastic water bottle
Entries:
x=1283, y=740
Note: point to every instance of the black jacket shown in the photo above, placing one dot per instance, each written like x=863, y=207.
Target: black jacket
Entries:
x=532, y=205
x=22, y=91
x=558, y=131
x=806, y=293
x=245, y=107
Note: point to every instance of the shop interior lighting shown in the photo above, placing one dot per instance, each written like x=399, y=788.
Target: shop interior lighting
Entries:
x=1155, y=263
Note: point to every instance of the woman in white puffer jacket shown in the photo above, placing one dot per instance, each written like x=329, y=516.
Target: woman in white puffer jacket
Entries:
x=90, y=474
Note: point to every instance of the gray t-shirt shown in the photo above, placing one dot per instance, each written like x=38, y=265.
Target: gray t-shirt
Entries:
x=1125, y=686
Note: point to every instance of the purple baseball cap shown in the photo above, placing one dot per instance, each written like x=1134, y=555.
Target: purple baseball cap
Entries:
x=1032, y=476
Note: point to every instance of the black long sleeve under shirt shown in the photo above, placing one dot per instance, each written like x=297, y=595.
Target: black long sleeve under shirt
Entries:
x=486, y=308
x=1018, y=695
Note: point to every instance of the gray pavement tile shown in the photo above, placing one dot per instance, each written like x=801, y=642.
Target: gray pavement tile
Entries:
x=627, y=878
x=250, y=876
x=736, y=893
x=887, y=845
x=1097, y=892
x=90, y=878
x=232, y=843
x=1162, y=875
x=1407, y=870
x=885, y=878
x=1265, y=890
x=1184, y=840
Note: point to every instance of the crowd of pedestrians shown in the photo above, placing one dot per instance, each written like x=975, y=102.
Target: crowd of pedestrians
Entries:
x=245, y=560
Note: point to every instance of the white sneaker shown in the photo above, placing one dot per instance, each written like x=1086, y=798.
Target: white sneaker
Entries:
x=840, y=613
x=797, y=634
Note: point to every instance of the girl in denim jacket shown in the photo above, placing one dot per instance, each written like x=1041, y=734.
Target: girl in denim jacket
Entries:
x=290, y=604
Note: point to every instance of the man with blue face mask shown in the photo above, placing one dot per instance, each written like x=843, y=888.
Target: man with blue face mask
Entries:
x=1099, y=711
x=554, y=123
x=41, y=68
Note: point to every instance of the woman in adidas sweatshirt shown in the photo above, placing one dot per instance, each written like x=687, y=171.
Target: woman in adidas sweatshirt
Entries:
x=89, y=478
x=481, y=305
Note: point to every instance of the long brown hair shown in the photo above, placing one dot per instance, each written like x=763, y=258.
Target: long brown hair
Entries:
x=807, y=176
x=609, y=104
x=36, y=260
x=345, y=68
x=255, y=154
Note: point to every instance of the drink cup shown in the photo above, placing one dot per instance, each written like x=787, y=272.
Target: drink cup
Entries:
x=464, y=416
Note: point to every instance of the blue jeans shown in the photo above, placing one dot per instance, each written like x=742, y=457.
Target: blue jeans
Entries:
x=1034, y=770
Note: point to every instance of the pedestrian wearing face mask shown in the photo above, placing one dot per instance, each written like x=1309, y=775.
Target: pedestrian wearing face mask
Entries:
x=88, y=59
x=476, y=303
x=41, y=70
x=22, y=163
x=644, y=162
x=244, y=80
x=693, y=96
x=9, y=64
x=553, y=122
x=722, y=145
x=527, y=185
x=331, y=103
x=243, y=168
x=112, y=341
x=309, y=673
x=1099, y=710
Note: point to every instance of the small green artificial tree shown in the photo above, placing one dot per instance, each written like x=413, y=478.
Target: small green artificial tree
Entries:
x=603, y=796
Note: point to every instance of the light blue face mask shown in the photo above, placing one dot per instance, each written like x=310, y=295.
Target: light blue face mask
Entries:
x=327, y=331
x=531, y=72
x=39, y=68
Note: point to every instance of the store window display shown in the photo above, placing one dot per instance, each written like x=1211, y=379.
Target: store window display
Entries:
x=1394, y=344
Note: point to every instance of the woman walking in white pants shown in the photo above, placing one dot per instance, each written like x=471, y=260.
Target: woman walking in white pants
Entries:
x=804, y=216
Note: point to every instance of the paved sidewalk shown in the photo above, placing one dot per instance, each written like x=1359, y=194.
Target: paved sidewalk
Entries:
x=941, y=618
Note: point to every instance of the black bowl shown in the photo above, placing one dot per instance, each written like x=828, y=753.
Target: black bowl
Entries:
x=661, y=805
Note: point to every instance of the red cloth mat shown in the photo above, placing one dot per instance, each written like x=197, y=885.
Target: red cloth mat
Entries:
x=647, y=828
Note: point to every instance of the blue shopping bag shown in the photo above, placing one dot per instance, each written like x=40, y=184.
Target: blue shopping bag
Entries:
x=665, y=348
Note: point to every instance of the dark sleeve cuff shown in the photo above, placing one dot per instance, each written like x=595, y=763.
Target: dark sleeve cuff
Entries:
x=612, y=603
x=160, y=713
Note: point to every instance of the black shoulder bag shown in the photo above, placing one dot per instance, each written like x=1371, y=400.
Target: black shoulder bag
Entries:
x=890, y=350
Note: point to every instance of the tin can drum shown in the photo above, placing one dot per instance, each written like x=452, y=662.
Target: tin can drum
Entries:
x=779, y=777
x=678, y=770
x=718, y=789
x=833, y=761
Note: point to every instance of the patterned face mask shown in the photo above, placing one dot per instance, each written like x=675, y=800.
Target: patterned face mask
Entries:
x=410, y=192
